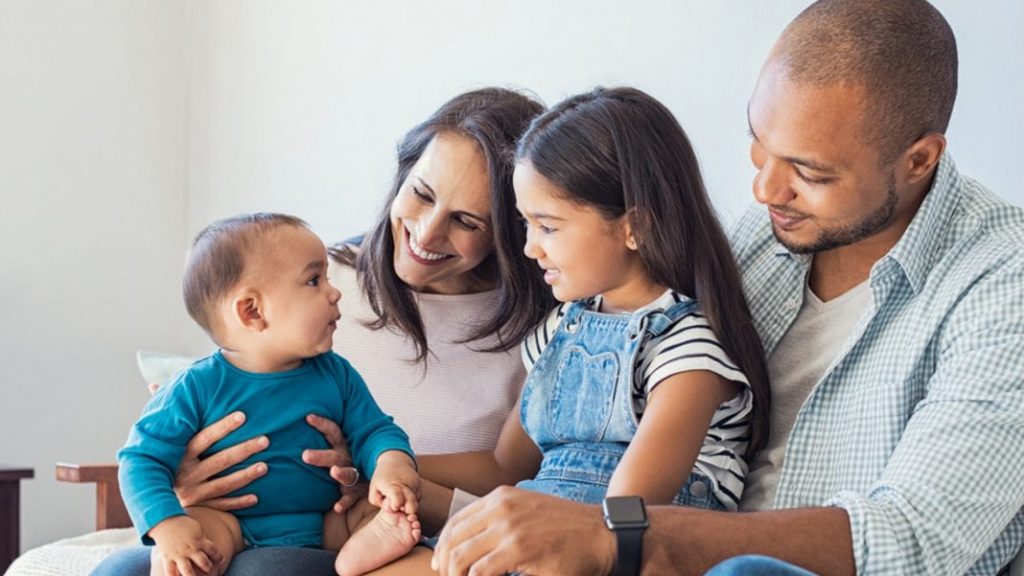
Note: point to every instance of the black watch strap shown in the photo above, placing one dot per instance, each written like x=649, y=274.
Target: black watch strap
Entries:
x=630, y=542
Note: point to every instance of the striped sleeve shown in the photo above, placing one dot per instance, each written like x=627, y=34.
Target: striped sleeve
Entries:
x=689, y=344
x=536, y=342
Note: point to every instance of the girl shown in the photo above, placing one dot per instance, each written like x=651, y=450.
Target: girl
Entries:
x=649, y=379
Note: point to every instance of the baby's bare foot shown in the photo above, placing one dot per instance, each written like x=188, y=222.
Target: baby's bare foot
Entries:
x=389, y=536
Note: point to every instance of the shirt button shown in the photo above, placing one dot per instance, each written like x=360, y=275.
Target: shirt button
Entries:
x=289, y=541
x=698, y=489
x=791, y=304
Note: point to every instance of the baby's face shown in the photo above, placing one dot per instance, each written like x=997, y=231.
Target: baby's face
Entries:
x=299, y=305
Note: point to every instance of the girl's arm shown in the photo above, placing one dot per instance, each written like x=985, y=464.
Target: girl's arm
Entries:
x=671, y=432
x=514, y=458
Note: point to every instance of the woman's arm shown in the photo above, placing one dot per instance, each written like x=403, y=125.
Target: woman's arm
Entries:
x=514, y=458
x=671, y=432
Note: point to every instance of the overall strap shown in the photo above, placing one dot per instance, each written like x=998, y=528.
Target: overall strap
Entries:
x=655, y=322
x=573, y=314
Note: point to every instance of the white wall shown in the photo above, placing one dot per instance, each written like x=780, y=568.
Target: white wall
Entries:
x=92, y=216
x=127, y=126
x=298, y=108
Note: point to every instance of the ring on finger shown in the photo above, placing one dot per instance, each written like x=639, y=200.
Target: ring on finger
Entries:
x=354, y=481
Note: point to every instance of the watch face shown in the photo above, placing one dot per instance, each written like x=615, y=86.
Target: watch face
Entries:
x=625, y=511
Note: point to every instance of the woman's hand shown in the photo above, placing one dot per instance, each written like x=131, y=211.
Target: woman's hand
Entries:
x=338, y=459
x=195, y=485
x=514, y=530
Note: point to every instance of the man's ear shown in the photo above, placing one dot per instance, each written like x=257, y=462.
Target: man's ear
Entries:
x=247, y=309
x=920, y=160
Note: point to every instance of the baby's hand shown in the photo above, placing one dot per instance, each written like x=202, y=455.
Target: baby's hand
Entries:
x=394, y=496
x=183, y=547
x=395, y=483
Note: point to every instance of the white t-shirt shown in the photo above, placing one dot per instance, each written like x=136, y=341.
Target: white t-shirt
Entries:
x=688, y=344
x=801, y=359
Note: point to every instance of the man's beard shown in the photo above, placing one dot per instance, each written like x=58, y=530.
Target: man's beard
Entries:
x=853, y=233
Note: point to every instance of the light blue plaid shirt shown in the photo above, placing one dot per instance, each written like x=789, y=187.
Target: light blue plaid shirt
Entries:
x=917, y=431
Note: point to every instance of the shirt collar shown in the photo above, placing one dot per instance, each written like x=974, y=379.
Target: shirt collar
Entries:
x=666, y=300
x=917, y=250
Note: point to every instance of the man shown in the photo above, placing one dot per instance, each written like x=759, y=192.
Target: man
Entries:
x=889, y=294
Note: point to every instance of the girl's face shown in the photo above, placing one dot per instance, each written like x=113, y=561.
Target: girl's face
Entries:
x=582, y=253
x=441, y=219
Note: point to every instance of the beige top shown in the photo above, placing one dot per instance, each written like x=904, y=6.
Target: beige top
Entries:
x=458, y=401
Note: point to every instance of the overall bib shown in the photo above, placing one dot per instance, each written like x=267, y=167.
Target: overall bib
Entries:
x=577, y=403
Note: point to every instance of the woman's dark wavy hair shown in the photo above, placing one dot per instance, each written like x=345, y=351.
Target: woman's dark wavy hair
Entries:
x=494, y=118
x=620, y=151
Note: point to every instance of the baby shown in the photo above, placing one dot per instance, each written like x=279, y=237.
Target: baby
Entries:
x=258, y=285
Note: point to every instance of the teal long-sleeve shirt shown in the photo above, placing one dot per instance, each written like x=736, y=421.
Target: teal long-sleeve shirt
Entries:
x=275, y=405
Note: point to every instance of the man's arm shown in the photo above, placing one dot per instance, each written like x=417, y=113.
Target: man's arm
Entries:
x=691, y=541
x=517, y=530
x=951, y=487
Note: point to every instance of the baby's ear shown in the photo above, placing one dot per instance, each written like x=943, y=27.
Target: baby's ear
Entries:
x=246, y=309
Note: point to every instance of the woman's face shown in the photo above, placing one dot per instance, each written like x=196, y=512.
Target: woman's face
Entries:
x=441, y=219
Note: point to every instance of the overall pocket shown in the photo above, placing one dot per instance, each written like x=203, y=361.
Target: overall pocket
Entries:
x=580, y=405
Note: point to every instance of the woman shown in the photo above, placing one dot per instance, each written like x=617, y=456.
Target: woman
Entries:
x=439, y=295
x=649, y=383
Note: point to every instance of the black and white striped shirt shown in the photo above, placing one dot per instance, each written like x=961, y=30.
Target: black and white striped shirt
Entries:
x=689, y=344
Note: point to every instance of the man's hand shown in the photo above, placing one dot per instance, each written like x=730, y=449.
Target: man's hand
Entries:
x=193, y=484
x=183, y=548
x=513, y=530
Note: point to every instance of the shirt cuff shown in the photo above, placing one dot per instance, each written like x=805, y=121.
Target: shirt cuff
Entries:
x=155, y=515
x=853, y=503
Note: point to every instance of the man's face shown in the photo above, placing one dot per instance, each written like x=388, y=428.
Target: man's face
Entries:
x=816, y=172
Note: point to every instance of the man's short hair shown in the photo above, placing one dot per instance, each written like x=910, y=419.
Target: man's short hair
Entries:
x=217, y=261
x=903, y=52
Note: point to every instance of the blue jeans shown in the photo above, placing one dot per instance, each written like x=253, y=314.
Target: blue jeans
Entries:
x=266, y=561
x=751, y=565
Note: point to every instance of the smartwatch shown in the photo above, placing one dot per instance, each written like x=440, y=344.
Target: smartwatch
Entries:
x=627, y=518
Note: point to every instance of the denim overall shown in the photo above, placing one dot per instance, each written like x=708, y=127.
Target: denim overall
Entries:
x=577, y=402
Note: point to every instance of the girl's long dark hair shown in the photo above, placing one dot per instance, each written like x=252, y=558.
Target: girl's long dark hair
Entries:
x=621, y=151
x=495, y=118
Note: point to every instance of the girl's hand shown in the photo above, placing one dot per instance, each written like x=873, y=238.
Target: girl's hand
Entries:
x=195, y=485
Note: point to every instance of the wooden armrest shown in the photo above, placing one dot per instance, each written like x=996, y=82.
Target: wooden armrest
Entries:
x=110, y=510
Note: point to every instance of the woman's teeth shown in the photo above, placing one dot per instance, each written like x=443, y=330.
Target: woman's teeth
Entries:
x=422, y=252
